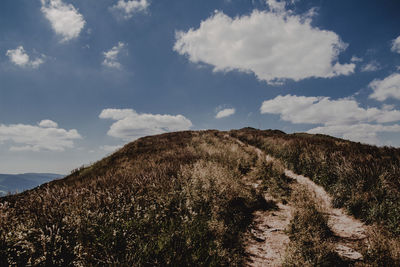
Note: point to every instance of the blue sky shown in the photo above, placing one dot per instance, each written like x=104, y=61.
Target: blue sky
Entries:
x=80, y=78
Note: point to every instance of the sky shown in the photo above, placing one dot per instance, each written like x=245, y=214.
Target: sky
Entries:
x=81, y=78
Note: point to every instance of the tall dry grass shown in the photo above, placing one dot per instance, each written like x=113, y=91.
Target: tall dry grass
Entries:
x=174, y=199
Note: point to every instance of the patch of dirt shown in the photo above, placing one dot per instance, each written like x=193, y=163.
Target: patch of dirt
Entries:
x=346, y=228
x=266, y=241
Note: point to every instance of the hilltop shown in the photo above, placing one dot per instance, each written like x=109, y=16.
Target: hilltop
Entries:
x=214, y=198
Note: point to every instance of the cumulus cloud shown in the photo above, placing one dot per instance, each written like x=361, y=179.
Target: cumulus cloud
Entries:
x=386, y=88
x=20, y=58
x=111, y=56
x=128, y=8
x=342, y=118
x=371, y=66
x=225, y=113
x=274, y=45
x=131, y=125
x=65, y=19
x=396, y=45
x=44, y=136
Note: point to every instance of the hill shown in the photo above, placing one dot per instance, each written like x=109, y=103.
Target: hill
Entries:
x=13, y=183
x=208, y=198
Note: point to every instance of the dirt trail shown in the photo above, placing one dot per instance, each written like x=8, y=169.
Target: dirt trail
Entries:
x=347, y=229
x=266, y=242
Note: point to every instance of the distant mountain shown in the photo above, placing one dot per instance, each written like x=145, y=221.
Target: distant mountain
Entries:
x=13, y=183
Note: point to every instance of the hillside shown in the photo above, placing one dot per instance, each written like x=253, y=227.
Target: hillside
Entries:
x=214, y=198
x=12, y=183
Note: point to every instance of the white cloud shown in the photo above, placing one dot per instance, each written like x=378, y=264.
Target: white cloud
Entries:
x=111, y=56
x=131, y=125
x=48, y=124
x=44, y=136
x=274, y=45
x=371, y=66
x=65, y=19
x=396, y=45
x=342, y=118
x=128, y=8
x=225, y=113
x=323, y=110
x=386, y=88
x=20, y=58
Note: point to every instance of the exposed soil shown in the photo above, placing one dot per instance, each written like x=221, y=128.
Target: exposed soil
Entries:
x=347, y=230
x=266, y=242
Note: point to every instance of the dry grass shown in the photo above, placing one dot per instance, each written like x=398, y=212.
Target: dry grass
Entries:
x=180, y=199
x=363, y=179
x=381, y=249
x=311, y=240
x=174, y=199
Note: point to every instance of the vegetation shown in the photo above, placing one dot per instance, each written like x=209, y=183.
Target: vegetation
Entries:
x=362, y=178
x=187, y=198
x=174, y=199
x=273, y=179
x=311, y=241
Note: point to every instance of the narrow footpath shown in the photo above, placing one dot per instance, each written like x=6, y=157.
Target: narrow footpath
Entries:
x=266, y=242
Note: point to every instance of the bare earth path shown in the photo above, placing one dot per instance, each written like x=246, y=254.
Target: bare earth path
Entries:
x=347, y=229
x=266, y=242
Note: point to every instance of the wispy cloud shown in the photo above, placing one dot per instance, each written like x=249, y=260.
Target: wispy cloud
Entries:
x=225, y=113
x=356, y=59
x=111, y=56
x=371, y=66
x=396, y=45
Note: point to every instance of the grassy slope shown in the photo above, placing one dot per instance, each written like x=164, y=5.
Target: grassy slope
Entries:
x=180, y=199
x=174, y=199
x=362, y=178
